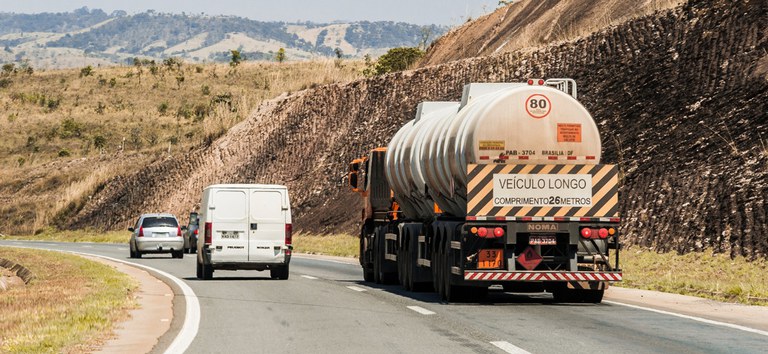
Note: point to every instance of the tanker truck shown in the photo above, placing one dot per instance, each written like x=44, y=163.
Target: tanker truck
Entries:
x=503, y=189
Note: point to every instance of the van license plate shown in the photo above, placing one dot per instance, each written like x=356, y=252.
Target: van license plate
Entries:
x=489, y=259
x=230, y=234
x=545, y=240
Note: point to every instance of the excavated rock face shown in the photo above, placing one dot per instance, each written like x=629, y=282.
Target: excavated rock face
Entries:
x=679, y=96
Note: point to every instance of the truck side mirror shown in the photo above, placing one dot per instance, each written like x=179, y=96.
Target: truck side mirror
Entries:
x=352, y=180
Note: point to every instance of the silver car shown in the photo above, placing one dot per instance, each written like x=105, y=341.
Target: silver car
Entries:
x=156, y=233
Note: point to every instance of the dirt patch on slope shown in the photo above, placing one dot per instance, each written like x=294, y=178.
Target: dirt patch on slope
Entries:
x=674, y=95
x=534, y=24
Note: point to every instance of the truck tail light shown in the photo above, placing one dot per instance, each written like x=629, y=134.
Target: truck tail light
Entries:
x=141, y=231
x=586, y=232
x=482, y=232
x=603, y=233
x=498, y=232
x=208, y=233
x=178, y=231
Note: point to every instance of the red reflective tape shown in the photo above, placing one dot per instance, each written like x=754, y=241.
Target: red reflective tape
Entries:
x=500, y=218
x=590, y=157
x=503, y=157
x=552, y=157
x=615, y=219
x=560, y=218
x=523, y=157
x=585, y=219
x=471, y=218
x=526, y=218
x=571, y=157
x=485, y=158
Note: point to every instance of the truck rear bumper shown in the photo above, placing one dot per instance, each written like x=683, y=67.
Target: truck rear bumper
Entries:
x=541, y=276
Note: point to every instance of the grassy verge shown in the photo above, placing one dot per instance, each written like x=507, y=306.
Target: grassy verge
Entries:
x=716, y=277
x=70, y=306
x=74, y=236
x=341, y=245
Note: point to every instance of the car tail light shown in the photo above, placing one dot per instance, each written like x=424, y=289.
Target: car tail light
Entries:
x=208, y=232
x=196, y=232
x=498, y=232
x=178, y=231
x=603, y=233
x=141, y=231
x=482, y=232
x=586, y=232
x=288, y=234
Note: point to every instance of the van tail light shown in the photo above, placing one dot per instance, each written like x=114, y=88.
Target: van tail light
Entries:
x=208, y=232
x=288, y=234
x=178, y=231
x=141, y=231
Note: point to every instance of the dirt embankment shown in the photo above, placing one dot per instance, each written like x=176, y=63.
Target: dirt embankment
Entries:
x=679, y=98
x=527, y=24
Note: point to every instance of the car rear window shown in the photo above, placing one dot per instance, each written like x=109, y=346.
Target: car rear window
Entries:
x=159, y=221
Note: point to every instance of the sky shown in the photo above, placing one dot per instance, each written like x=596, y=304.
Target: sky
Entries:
x=421, y=12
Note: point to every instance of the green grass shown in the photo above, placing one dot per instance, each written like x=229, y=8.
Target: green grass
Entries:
x=341, y=245
x=70, y=306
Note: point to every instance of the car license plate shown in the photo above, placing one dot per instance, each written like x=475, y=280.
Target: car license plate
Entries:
x=160, y=234
x=230, y=235
x=545, y=240
x=489, y=259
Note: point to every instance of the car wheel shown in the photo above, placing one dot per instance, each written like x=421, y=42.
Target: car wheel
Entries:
x=179, y=254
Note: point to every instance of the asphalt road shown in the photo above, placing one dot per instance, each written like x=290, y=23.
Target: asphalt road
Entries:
x=325, y=307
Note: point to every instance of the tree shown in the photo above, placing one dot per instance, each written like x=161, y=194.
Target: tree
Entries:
x=9, y=68
x=236, y=58
x=426, y=33
x=280, y=56
x=398, y=59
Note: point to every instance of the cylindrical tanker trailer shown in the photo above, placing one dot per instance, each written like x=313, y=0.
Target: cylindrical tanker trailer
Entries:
x=503, y=188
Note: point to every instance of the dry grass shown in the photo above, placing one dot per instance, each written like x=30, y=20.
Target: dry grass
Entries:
x=74, y=236
x=64, y=134
x=341, y=245
x=70, y=306
x=699, y=274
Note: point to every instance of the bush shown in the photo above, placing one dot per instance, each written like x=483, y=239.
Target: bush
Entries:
x=99, y=142
x=162, y=108
x=398, y=59
x=64, y=153
x=86, y=71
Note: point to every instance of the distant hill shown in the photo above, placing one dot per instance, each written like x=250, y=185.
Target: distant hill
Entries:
x=93, y=37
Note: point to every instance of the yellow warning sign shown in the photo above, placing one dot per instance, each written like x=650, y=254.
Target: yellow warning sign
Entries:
x=492, y=145
x=568, y=132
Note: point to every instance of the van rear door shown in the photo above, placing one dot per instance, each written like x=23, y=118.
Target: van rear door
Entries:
x=230, y=225
x=267, y=225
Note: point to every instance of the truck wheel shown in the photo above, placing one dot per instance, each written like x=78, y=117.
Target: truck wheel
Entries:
x=451, y=293
x=414, y=271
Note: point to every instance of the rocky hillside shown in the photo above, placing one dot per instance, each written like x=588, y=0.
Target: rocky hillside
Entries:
x=531, y=24
x=680, y=97
x=92, y=37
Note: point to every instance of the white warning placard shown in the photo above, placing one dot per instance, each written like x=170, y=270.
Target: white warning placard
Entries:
x=532, y=190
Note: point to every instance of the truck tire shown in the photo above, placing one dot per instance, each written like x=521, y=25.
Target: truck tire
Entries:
x=413, y=271
x=382, y=275
x=451, y=293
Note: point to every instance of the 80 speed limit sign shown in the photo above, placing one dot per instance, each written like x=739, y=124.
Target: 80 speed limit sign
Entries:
x=538, y=106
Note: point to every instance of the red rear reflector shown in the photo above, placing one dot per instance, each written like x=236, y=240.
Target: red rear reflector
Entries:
x=485, y=158
x=541, y=82
x=141, y=231
x=471, y=218
x=571, y=157
x=603, y=233
x=208, y=233
x=498, y=232
x=586, y=232
x=482, y=232
x=590, y=157
x=530, y=82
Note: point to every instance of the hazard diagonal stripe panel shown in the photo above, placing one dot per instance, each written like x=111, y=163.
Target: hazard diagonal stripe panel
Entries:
x=507, y=190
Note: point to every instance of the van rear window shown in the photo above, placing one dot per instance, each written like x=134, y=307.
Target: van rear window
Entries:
x=159, y=221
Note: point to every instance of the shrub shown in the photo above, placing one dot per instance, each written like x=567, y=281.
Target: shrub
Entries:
x=162, y=108
x=64, y=153
x=398, y=59
x=206, y=90
x=99, y=142
x=86, y=71
x=112, y=82
x=5, y=82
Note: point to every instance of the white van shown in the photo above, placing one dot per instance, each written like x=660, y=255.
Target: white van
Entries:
x=244, y=226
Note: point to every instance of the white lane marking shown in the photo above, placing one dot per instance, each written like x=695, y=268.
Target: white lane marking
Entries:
x=699, y=319
x=510, y=348
x=355, y=288
x=86, y=246
x=421, y=310
x=309, y=277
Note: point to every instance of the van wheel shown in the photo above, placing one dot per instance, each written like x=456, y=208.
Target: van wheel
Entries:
x=199, y=269
x=178, y=254
x=207, y=271
x=279, y=272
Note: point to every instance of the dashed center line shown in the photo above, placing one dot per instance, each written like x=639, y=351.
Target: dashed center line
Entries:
x=421, y=310
x=309, y=277
x=355, y=288
x=510, y=348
